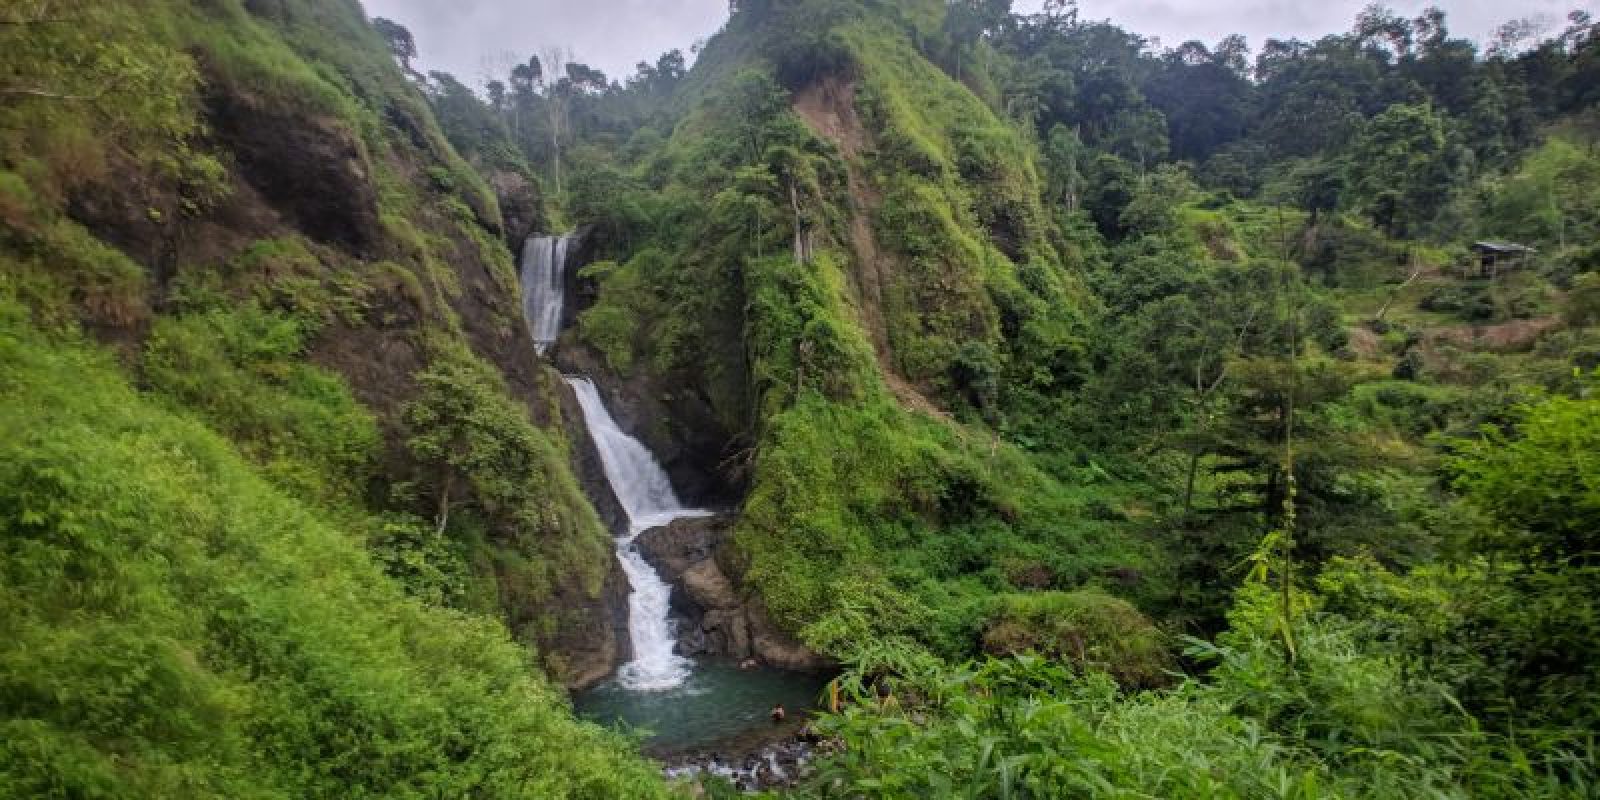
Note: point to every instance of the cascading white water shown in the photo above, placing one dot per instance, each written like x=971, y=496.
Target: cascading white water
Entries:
x=638, y=481
x=544, y=267
x=644, y=491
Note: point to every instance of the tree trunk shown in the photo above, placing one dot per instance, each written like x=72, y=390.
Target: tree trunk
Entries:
x=799, y=241
x=444, y=502
x=1416, y=270
x=1188, y=486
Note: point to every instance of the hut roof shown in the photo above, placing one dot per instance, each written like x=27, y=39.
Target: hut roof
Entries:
x=1502, y=247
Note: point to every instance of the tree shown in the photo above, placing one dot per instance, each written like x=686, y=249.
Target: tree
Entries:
x=1535, y=620
x=1112, y=183
x=1315, y=186
x=966, y=22
x=555, y=102
x=1139, y=135
x=472, y=127
x=1380, y=29
x=1541, y=481
x=1400, y=167
x=1064, y=154
x=585, y=78
x=1233, y=53
x=749, y=105
x=400, y=41
x=1203, y=95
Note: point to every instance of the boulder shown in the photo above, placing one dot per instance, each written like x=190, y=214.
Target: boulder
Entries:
x=673, y=548
x=776, y=648
x=708, y=587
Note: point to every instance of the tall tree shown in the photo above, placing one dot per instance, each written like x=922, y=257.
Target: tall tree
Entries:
x=1400, y=168
x=556, y=102
x=400, y=41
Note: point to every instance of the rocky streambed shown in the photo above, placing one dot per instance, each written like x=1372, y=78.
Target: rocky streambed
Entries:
x=754, y=761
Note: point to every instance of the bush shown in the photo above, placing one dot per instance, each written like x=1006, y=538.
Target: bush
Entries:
x=242, y=371
x=1089, y=629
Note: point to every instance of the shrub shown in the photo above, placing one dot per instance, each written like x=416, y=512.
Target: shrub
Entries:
x=1087, y=628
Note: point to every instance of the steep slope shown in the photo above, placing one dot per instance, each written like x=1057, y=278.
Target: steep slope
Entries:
x=293, y=561
x=232, y=191
x=850, y=258
x=175, y=625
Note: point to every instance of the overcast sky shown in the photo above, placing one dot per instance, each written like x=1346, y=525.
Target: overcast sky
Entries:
x=476, y=38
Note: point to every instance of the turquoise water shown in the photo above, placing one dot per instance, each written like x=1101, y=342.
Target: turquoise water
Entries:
x=718, y=704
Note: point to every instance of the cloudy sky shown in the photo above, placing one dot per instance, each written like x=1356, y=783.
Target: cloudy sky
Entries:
x=476, y=38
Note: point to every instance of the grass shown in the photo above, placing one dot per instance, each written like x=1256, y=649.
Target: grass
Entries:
x=258, y=651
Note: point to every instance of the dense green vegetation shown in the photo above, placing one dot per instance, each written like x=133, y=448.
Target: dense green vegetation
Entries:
x=1125, y=421
x=1013, y=316
x=285, y=510
x=176, y=625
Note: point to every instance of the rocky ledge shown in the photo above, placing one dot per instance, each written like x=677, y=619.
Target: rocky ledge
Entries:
x=717, y=617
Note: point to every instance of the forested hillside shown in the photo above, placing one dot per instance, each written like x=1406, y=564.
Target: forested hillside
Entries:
x=1207, y=421
x=287, y=509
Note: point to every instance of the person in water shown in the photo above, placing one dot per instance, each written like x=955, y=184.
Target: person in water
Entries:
x=777, y=713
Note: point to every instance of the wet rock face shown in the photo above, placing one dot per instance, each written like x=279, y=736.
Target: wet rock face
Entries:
x=311, y=169
x=718, y=617
x=592, y=635
x=708, y=587
x=674, y=548
x=519, y=207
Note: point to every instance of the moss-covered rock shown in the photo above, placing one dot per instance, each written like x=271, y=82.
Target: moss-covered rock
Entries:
x=1088, y=628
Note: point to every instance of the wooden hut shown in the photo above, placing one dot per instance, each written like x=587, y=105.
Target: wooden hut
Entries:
x=1493, y=258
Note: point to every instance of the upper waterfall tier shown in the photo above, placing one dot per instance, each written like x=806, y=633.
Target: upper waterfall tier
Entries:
x=544, y=271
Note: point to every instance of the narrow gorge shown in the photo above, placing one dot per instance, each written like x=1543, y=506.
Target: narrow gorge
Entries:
x=695, y=677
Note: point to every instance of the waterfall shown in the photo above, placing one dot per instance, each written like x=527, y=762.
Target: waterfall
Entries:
x=637, y=479
x=646, y=495
x=544, y=268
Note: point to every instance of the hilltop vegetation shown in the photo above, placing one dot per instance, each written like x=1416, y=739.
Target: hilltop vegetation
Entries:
x=1124, y=421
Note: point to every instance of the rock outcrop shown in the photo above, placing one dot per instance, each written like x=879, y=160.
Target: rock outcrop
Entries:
x=592, y=633
x=719, y=617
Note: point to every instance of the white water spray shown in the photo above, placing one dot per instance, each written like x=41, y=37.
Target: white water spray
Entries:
x=638, y=481
x=646, y=495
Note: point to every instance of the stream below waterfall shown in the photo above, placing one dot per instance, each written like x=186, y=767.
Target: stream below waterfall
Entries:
x=698, y=716
x=719, y=708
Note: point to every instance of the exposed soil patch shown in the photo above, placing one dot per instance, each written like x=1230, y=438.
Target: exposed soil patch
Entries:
x=1505, y=337
x=828, y=108
x=1364, y=342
